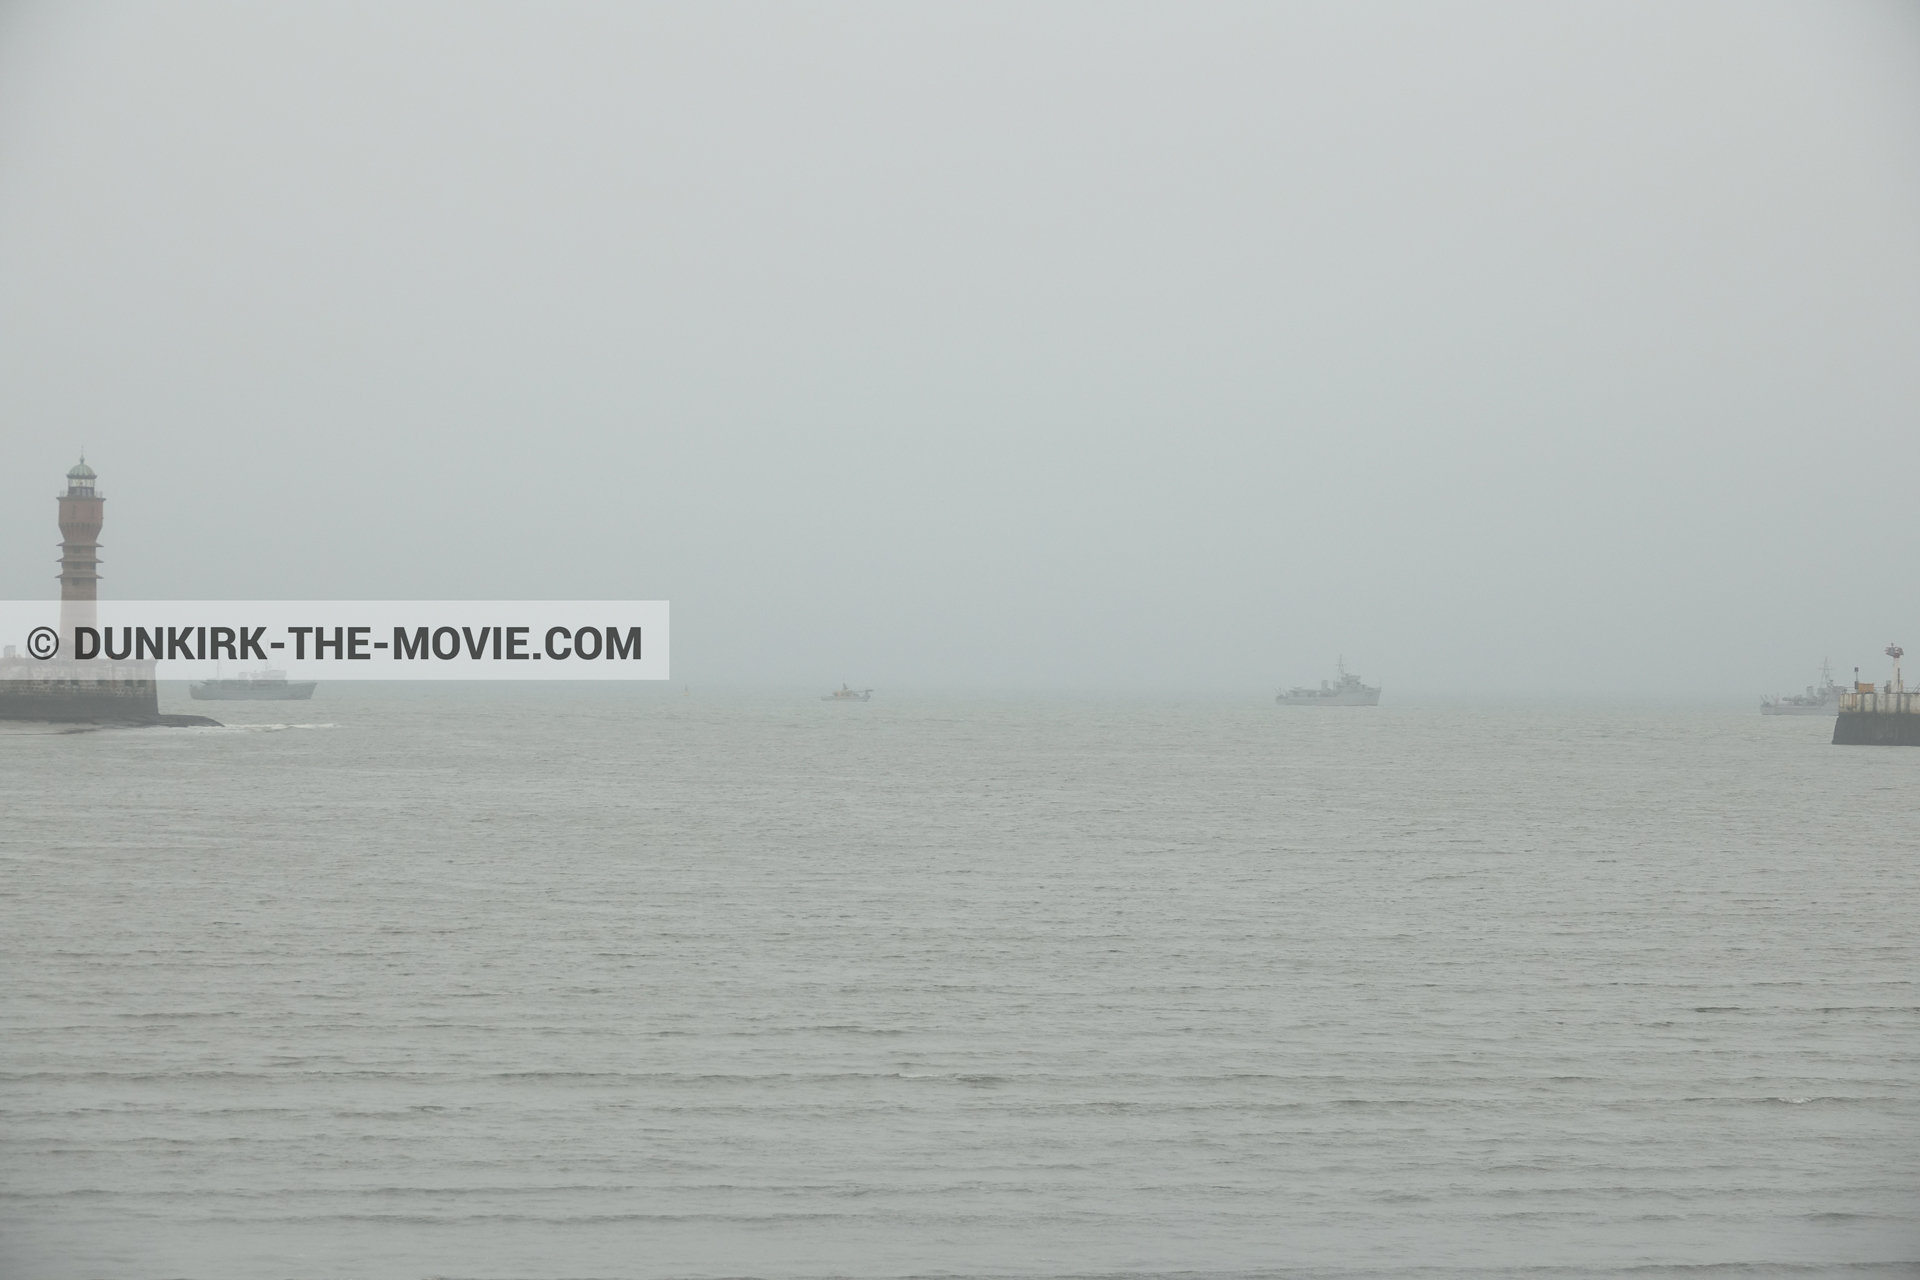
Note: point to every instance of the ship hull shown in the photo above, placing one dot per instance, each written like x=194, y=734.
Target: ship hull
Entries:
x=291, y=692
x=1877, y=729
x=1337, y=700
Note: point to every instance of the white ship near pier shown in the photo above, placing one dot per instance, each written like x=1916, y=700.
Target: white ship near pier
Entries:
x=1348, y=691
x=1822, y=699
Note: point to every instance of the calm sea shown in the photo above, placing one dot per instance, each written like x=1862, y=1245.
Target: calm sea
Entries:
x=542, y=982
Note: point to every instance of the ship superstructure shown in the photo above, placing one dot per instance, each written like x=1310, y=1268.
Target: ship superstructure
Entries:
x=1821, y=699
x=265, y=685
x=1347, y=691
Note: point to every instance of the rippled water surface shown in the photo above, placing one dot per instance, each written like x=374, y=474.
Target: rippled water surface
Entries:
x=548, y=983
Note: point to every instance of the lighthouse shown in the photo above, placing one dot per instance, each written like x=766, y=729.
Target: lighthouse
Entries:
x=80, y=514
x=58, y=688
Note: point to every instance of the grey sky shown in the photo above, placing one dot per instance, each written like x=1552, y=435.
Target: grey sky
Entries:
x=1541, y=345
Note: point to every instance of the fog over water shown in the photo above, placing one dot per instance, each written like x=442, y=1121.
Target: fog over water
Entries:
x=1493, y=346
x=1072, y=375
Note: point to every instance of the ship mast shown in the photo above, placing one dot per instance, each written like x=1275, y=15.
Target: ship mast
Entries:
x=1895, y=652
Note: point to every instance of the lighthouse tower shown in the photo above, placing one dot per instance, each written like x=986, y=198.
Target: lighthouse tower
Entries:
x=102, y=690
x=80, y=514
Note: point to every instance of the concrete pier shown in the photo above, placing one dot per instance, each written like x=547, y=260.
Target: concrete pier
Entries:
x=1870, y=717
x=78, y=692
x=1876, y=729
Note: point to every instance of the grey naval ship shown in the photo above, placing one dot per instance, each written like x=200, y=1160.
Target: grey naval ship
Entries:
x=264, y=685
x=1346, y=692
x=1822, y=699
x=844, y=694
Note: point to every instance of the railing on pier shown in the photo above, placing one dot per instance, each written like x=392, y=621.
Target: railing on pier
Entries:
x=1907, y=703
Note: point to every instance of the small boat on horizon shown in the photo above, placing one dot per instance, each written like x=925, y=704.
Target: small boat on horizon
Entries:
x=844, y=694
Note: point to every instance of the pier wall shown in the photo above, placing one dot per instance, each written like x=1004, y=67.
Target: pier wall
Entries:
x=1877, y=728
x=78, y=692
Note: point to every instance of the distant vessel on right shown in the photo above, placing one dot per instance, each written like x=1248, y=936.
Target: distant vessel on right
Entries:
x=844, y=694
x=1347, y=692
x=1822, y=699
x=256, y=686
x=1885, y=717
